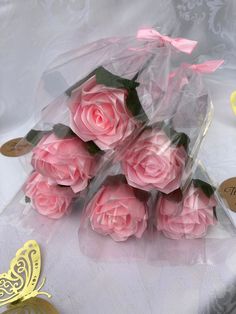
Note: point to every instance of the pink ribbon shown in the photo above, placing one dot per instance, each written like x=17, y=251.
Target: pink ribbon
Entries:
x=182, y=44
x=207, y=67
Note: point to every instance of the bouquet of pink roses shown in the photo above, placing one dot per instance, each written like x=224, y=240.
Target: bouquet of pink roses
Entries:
x=121, y=142
x=80, y=130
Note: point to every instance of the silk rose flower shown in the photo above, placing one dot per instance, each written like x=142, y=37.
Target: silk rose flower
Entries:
x=98, y=113
x=64, y=160
x=192, y=221
x=116, y=211
x=154, y=162
x=48, y=198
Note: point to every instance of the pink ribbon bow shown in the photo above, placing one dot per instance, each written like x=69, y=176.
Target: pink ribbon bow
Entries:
x=182, y=44
x=207, y=67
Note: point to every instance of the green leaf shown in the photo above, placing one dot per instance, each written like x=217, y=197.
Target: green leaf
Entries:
x=63, y=131
x=115, y=180
x=177, y=138
x=27, y=199
x=157, y=125
x=175, y=196
x=132, y=102
x=181, y=139
x=108, y=79
x=142, y=195
x=214, y=212
x=34, y=136
x=136, y=76
x=92, y=148
x=205, y=187
x=77, y=84
x=134, y=105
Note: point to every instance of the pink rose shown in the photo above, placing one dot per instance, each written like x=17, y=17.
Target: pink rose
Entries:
x=48, y=198
x=153, y=162
x=98, y=113
x=116, y=211
x=192, y=222
x=66, y=161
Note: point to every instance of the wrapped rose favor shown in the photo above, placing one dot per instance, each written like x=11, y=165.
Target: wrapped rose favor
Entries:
x=64, y=160
x=47, y=197
x=99, y=113
x=116, y=211
x=191, y=218
x=62, y=166
x=155, y=161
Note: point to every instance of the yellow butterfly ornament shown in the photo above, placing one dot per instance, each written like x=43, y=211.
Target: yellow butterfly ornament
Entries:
x=233, y=101
x=18, y=287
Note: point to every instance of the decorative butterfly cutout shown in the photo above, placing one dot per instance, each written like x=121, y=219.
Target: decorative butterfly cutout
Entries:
x=233, y=101
x=18, y=287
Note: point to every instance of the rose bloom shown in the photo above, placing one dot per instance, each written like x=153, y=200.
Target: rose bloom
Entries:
x=66, y=161
x=192, y=222
x=48, y=198
x=115, y=211
x=99, y=113
x=153, y=162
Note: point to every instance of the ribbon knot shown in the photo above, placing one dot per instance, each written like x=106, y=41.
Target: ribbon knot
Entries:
x=182, y=44
x=209, y=66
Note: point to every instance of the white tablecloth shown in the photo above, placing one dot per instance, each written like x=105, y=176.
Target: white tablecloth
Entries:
x=33, y=33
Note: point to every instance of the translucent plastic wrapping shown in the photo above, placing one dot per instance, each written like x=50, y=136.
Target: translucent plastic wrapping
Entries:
x=121, y=140
x=114, y=93
x=157, y=160
x=159, y=154
x=121, y=56
x=130, y=74
x=187, y=226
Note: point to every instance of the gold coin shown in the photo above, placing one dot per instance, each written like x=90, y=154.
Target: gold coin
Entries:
x=32, y=306
x=16, y=147
x=227, y=191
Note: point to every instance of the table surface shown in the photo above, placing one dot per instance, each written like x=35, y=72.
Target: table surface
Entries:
x=34, y=34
